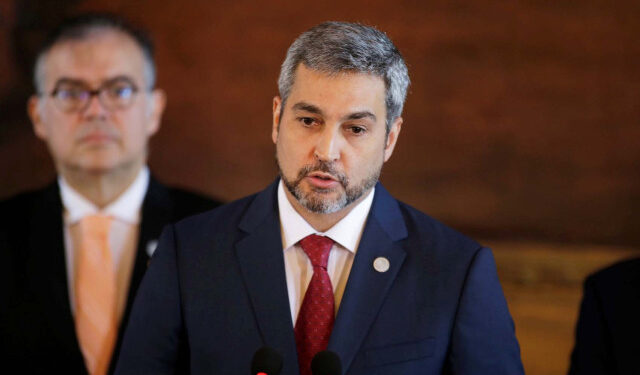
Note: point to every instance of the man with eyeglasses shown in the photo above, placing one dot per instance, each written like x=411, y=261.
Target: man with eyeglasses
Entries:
x=72, y=255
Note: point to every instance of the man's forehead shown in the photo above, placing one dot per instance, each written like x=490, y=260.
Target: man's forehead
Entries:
x=302, y=70
x=98, y=56
x=344, y=92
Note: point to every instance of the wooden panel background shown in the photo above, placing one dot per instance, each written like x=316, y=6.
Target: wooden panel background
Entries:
x=521, y=125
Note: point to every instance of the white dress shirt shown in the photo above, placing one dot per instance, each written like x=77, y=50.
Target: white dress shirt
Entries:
x=346, y=234
x=123, y=234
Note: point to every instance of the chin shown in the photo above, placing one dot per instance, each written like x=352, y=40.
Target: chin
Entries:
x=323, y=203
x=100, y=165
x=98, y=169
x=325, y=195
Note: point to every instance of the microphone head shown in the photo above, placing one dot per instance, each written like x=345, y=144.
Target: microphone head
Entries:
x=326, y=363
x=267, y=361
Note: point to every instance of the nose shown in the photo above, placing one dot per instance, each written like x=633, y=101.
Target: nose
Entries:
x=328, y=144
x=94, y=108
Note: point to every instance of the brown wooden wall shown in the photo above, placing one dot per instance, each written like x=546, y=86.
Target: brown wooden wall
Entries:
x=522, y=121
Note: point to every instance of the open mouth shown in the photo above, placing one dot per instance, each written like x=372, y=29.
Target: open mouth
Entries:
x=322, y=180
x=322, y=176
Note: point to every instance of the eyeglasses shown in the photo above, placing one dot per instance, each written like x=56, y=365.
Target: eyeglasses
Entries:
x=73, y=96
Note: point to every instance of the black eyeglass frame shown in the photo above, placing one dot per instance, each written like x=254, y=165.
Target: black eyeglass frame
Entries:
x=100, y=92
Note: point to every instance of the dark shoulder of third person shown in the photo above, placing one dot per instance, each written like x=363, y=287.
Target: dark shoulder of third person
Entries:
x=615, y=282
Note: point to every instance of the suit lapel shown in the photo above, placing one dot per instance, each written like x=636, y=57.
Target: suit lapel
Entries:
x=261, y=261
x=48, y=268
x=367, y=288
x=157, y=209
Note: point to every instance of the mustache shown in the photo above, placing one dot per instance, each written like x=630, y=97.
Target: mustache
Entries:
x=325, y=167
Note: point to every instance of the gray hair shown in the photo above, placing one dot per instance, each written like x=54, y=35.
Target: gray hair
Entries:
x=88, y=25
x=335, y=47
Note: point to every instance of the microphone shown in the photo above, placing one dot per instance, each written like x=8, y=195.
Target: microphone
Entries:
x=266, y=361
x=326, y=363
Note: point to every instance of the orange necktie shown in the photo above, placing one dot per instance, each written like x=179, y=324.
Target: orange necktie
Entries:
x=96, y=298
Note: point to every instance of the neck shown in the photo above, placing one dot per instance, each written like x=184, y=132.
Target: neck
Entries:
x=323, y=222
x=100, y=188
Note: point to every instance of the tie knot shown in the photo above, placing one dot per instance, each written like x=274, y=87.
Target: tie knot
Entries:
x=95, y=225
x=317, y=249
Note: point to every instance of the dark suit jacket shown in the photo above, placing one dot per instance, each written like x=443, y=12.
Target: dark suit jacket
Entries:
x=608, y=329
x=216, y=290
x=37, y=332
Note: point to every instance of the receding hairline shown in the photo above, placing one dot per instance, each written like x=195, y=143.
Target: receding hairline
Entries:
x=331, y=74
x=343, y=47
x=335, y=73
x=91, y=33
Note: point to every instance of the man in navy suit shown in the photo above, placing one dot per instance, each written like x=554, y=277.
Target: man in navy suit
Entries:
x=407, y=295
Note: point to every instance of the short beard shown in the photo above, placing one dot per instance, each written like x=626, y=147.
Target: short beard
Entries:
x=313, y=201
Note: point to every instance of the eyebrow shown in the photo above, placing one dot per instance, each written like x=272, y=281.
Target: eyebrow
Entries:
x=361, y=115
x=302, y=106
x=80, y=82
x=70, y=81
x=119, y=78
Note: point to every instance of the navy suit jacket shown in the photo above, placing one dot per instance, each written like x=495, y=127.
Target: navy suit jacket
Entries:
x=37, y=331
x=216, y=291
x=608, y=328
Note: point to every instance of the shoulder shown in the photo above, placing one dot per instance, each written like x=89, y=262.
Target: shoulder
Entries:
x=222, y=218
x=178, y=202
x=21, y=222
x=15, y=210
x=428, y=242
x=242, y=214
x=434, y=234
x=402, y=221
x=615, y=277
x=613, y=291
x=187, y=202
x=19, y=201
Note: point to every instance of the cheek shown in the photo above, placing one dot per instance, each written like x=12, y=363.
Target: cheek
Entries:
x=60, y=145
x=284, y=155
x=362, y=161
x=292, y=149
x=132, y=127
x=61, y=135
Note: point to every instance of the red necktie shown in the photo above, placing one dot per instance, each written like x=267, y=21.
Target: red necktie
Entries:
x=315, y=319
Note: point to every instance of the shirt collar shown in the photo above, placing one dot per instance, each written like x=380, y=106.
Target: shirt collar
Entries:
x=346, y=232
x=125, y=208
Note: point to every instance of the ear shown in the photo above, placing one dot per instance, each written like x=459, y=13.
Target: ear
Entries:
x=392, y=138
x=156, y=109
x=33, y=110
x=275, y=127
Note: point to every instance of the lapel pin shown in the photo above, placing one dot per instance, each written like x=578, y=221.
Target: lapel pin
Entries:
x=381, y=264
x=151, y=247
